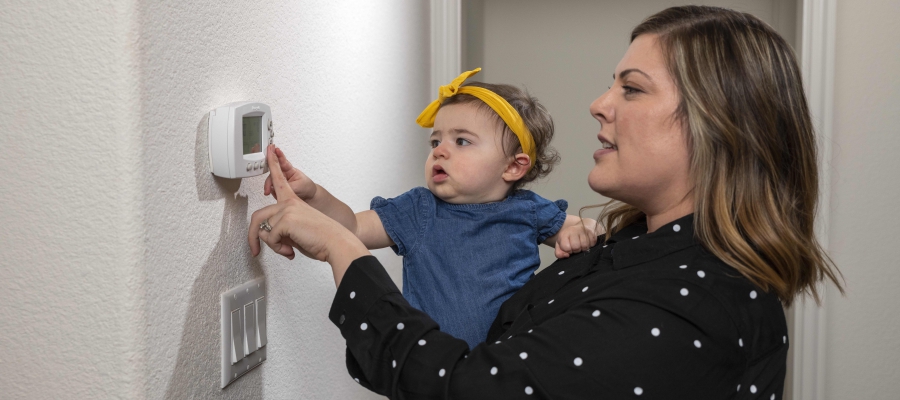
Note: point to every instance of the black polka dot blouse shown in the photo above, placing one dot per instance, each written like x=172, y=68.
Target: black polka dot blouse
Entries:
x=641, y=316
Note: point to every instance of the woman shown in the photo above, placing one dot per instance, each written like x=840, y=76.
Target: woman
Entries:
x=707, y=145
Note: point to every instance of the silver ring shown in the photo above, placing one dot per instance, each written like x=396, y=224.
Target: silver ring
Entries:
x=265, y=225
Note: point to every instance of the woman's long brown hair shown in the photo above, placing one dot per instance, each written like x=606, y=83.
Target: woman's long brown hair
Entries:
x=752, y=144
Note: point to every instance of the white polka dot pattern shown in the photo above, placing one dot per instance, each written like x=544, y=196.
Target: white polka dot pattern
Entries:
x=442, y=372
x=352, y=295
x=400, y=326
x=394, y=364
x=697, y=344
x=422, y=342
x=523, y=355
x=753, y=294
x=654, y=331
x=739, y=388
x=683, y=267
x=752, y=388
x=356, y=379
x=676, y=228
x=638, y=391
x=494, y=371
x=551, y=301
x=364, y=326
x=577, y=361
x=584, y=290
x=684, y=291
x=773, y=397
x=784, y=339
x=741, y=342
x=596, y=313
x=701, y=274
x=528, y=390
x=562, y=272
x=635, y=237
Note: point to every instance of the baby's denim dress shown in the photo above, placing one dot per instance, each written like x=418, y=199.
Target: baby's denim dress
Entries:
x=462, y=261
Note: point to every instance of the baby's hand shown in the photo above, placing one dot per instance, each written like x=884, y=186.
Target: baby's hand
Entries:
x=575, y=236
x=304, y=187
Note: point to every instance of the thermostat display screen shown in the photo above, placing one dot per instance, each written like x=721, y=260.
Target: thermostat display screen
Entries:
x=252, y=135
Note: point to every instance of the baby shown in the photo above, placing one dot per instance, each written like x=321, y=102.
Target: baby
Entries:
x=470, y=240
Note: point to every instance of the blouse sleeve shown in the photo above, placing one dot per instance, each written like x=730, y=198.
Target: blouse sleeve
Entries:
x=606, y=348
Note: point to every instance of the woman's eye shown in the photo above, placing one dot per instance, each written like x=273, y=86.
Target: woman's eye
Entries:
x=462, y=142
x=435, y=143
x=630, y=90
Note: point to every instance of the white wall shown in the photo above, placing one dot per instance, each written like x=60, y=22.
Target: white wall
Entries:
x=122, y=241
x=862, y=342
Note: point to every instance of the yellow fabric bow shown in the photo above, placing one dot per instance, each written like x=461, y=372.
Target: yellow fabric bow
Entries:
x=507, y=113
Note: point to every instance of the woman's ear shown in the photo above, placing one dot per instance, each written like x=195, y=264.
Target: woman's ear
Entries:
x=517, y=168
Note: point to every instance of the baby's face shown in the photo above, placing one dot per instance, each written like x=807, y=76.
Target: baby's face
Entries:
x=466, y=162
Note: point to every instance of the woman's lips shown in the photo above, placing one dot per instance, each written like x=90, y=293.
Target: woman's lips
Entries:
x=600, y=152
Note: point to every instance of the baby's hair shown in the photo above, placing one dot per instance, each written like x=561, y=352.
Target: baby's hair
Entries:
x=536, y=118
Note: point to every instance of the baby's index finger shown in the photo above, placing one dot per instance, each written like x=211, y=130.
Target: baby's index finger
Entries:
x=282, y=188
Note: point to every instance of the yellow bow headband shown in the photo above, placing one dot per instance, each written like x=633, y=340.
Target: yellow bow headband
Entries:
x=507, y=113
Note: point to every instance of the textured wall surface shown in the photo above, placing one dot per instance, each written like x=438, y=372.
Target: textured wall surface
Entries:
x=69, y=201
x=862, y=356
x=121, y=240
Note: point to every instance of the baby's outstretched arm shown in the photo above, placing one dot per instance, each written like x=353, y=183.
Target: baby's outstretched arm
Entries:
x=576, y=235
x=366, y=224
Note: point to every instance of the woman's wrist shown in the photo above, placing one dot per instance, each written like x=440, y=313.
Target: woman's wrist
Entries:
x=343, y=249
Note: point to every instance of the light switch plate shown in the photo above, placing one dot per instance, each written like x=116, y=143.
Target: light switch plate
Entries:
x=243, y=335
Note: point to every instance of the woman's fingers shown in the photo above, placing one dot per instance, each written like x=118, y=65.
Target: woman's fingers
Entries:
x=279, y=182
x=256, y=220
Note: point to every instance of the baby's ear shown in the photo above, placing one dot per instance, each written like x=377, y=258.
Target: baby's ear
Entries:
x=517, y=168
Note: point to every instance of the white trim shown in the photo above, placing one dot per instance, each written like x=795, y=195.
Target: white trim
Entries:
x=446, y=55
x=817, y=64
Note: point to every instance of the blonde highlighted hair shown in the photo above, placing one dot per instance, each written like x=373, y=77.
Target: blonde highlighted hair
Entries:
x=752, y=146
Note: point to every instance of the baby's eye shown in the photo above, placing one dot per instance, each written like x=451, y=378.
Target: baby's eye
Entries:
x=462, y=142
x=435, y=143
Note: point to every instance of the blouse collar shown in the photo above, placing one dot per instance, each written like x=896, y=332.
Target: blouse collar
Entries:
x=633, y=245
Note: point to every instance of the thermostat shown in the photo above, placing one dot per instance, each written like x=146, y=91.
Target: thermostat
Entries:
x=239, y=134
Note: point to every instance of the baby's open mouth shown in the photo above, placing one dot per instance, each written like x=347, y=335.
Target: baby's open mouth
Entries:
x=438, y=172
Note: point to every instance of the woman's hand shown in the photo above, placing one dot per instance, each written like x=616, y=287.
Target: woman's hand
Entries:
x=294, y=224
x=300, y=184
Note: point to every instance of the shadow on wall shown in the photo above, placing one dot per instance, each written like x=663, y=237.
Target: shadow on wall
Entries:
x=198, y=365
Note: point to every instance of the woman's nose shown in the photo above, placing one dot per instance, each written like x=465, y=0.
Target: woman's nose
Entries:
x=601, y=109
